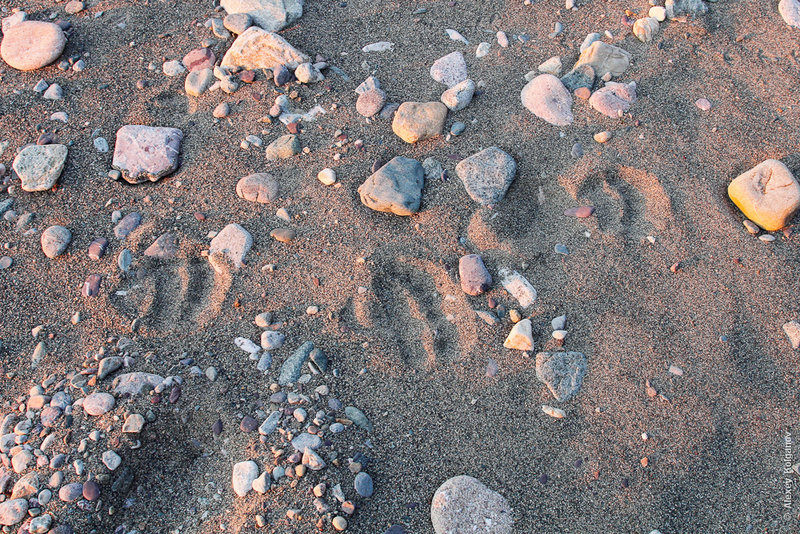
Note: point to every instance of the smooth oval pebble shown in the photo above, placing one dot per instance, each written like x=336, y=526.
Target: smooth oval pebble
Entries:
x=91, y=287
x=5, y=262
x=580, y=212
x=363, y=484
x=91, y=491
x=55, y=240
x=98, y=248
x=284, y=235
x=30, y=45
x=127, y=224
x=327, y=176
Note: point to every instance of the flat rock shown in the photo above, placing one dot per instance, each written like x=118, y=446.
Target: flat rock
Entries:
x=358, y=418
x=518, y=286
x=55, y=240
x=563, y=372
x=463, y=504
x=363, y=485
x=475, y=278
x=29, y=45
x=163, y=248
x=97, y=404
x=459, y=96
x=283, y=147
x=70, y=492
x=790, y=12
x=521, y=336
x=234, y=242
x=135, y=383
x=304, y=441
x=260, y=49
x=768, y=194
x=146, y=153
x=547, y=98
x=395, y=188
x=237, y=22
x=271, y=15
x=614, y=99
x=604, y=58
x=259, y=187
x=39, y=166
x=450, y=69
x=684, y=8
x=487, y=175
x=244, y=473
x=291, y=368
x=579, y=77
x=13, y=511
x=417, y=121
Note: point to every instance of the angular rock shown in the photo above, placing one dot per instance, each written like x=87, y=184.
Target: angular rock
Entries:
x=198, y=82
x=271, y=15
x=417, y=121
x=283, y=147
x=563, y=372
x=233, y=242
x=312, y=460
x=358, y=418
x=547, y=98
x=272, y=340
x=520, y=337
x=487, y=175
x=604, y=58
x=259, y=187
x=55, y=240
x=518, y=286
x=305, y=441
x=134, y=424
x=395, y=188
x=244, y=473
x=262, y=483
x=135, y=383
x=614, y=99
x=39, y=166
x=582, y=76
x=308, y=73
x=29, y=45
x=290, y=370
x=459, y=96
x=146, y=153
x=163, y=248
x=260, y=49
x=768, y=194
x=450, y=69
x=462, y=504
x=645, y=29
x=475, y=278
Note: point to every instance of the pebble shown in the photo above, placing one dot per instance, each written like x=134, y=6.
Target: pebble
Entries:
x=73, y=7
x=703, y=104
x=91, y=287
x=308, y=73
x=562, y=372
x=396, y=187
x=283, y=147
x=604, y=59
x=518, y=286
x=244, y=473
x=502, y=39
x=483, y=49
x=459, y=96
x=551, y=66
x=475, y=278
x=370, y=102
x=464, y=504
x=363, y=485
x=134, y=424
x=91, y=491
x=222, y=110
x=124, y=260
x=30, y=45
x=290, y=370
x=199, y=59
x=418, y=121
x=97, y=404
x=259, y=49
x=97, y=248
x=457, y=128
x=487, y=175
x=792, y=331
x=232, y=242
x=144, y=153
x=580, y=212
x=39, y=166
x=55, y=240
x=260, y=187
x=127, y=224
x=520, y=337
x=339, y=523
x=450, y=69
x=237, y=22
x=358, y=418
x=70, y=492
x=198, y=82
x=555, y=413
x=790, y=12
x=5, y=262
x=645, y=29
x=602, y=137
x=327, y=176
x=284, y=235
x=770, y=208
x=614, y=99
x=54, y=92
x=658, y=13
x=547, y=98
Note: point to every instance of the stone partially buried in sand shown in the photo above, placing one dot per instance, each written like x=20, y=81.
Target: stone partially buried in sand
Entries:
x=684, y=8
x=604, y=58
x=463, y=504
x=259, y=187
x=271, y=15
x=233, y=242
x=417, y=121
x=395, y=188
x=163, y=248
x=39, y=166
x=614, y=99
x=563, y=372
x=260, y=49
x=146, y=153
x=768, y=194
x=547, y=98
x=487, y=175
x=521, y=336
x=30, y=45
x=283, y=147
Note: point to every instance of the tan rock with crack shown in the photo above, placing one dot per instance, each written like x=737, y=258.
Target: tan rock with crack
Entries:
x=768, y=194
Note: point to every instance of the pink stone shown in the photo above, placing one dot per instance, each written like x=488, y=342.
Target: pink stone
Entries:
x=146, y=153
x=614, y=99
x=580, y=212
x=703, y=104
x=199, y=58
x=475, y=278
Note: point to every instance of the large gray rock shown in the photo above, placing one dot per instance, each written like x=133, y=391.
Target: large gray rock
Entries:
x=464, y=505
x=450, y=69
x=563, y=372
x=244, y=473
x=547, y=98
x=683, y=8
x=146, y=153
x=260, y=187
x=487, y=175
x=395, y=188
x=271, y=15
x=29, y=45
x=790, y=12
x=260, y=49
x=39, y=166
x=291, y=368
x=135, y=383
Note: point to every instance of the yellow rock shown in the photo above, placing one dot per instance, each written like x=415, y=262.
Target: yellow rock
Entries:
x=417, y=121
x=768, y=194
x=521, y=336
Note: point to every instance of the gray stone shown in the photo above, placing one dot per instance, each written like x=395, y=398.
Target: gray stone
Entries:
x=259, y=49
x=39, y=166
x=363, y=485
x=790, y=12
x=163, y=248
x=578, y=77
x=98, y=403
x=614, y=99
x=29, y=45
x=49, y=416
x=308, y=73
x=127, y=224
x=487, y=175
x=306, y=441
x=683, y=8
x=563, y=372
x=259, y=187
x=370, y=102
x=459, y=96
x=604, y=58
x=292, y=367
x=244, y=473
x=272, y=340
x=233, y=242
x=475, y=278
x=54, y=92
x=262, y=483
x=358, y=418
x=395, y=188
x=146, y=153
x=41, y=524
x=547, y=98
x=13, y=511
x=283, y=147
x=135, y=383
x=134, y=424
x=107, y=366
x=237, y=22
x=173, y=68
x=463, y=504
x=271, y=15
x=55, y=240
x=270, y=423
x=198, y=81
x=111, y=460
x=70, y=492
x=450, y=69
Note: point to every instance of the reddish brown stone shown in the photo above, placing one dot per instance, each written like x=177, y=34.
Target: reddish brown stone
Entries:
x=199, y=58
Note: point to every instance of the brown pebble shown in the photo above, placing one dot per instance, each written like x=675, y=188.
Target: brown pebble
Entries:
x=580, y=212
x=293, y=127
x=199, y=216
x=284, y=235
x=675, y=267
x=644, y=461
x=247, y=76
x=583, y=93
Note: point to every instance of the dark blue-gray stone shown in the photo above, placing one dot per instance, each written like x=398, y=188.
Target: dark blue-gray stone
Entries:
x=128, y=224
x=563, y=372
x=291, y=368
x=363, y=485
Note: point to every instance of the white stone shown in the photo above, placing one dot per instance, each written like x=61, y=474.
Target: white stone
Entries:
x=792, y=330
x=111, y=460
x=790, y=12
x=233, y=242
x=551, y=66
x=556, y=413
x=518, y=286
x=547, y=98
x=244, y=473
x=271, y=15
x=327, y=176
x=259, y=49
